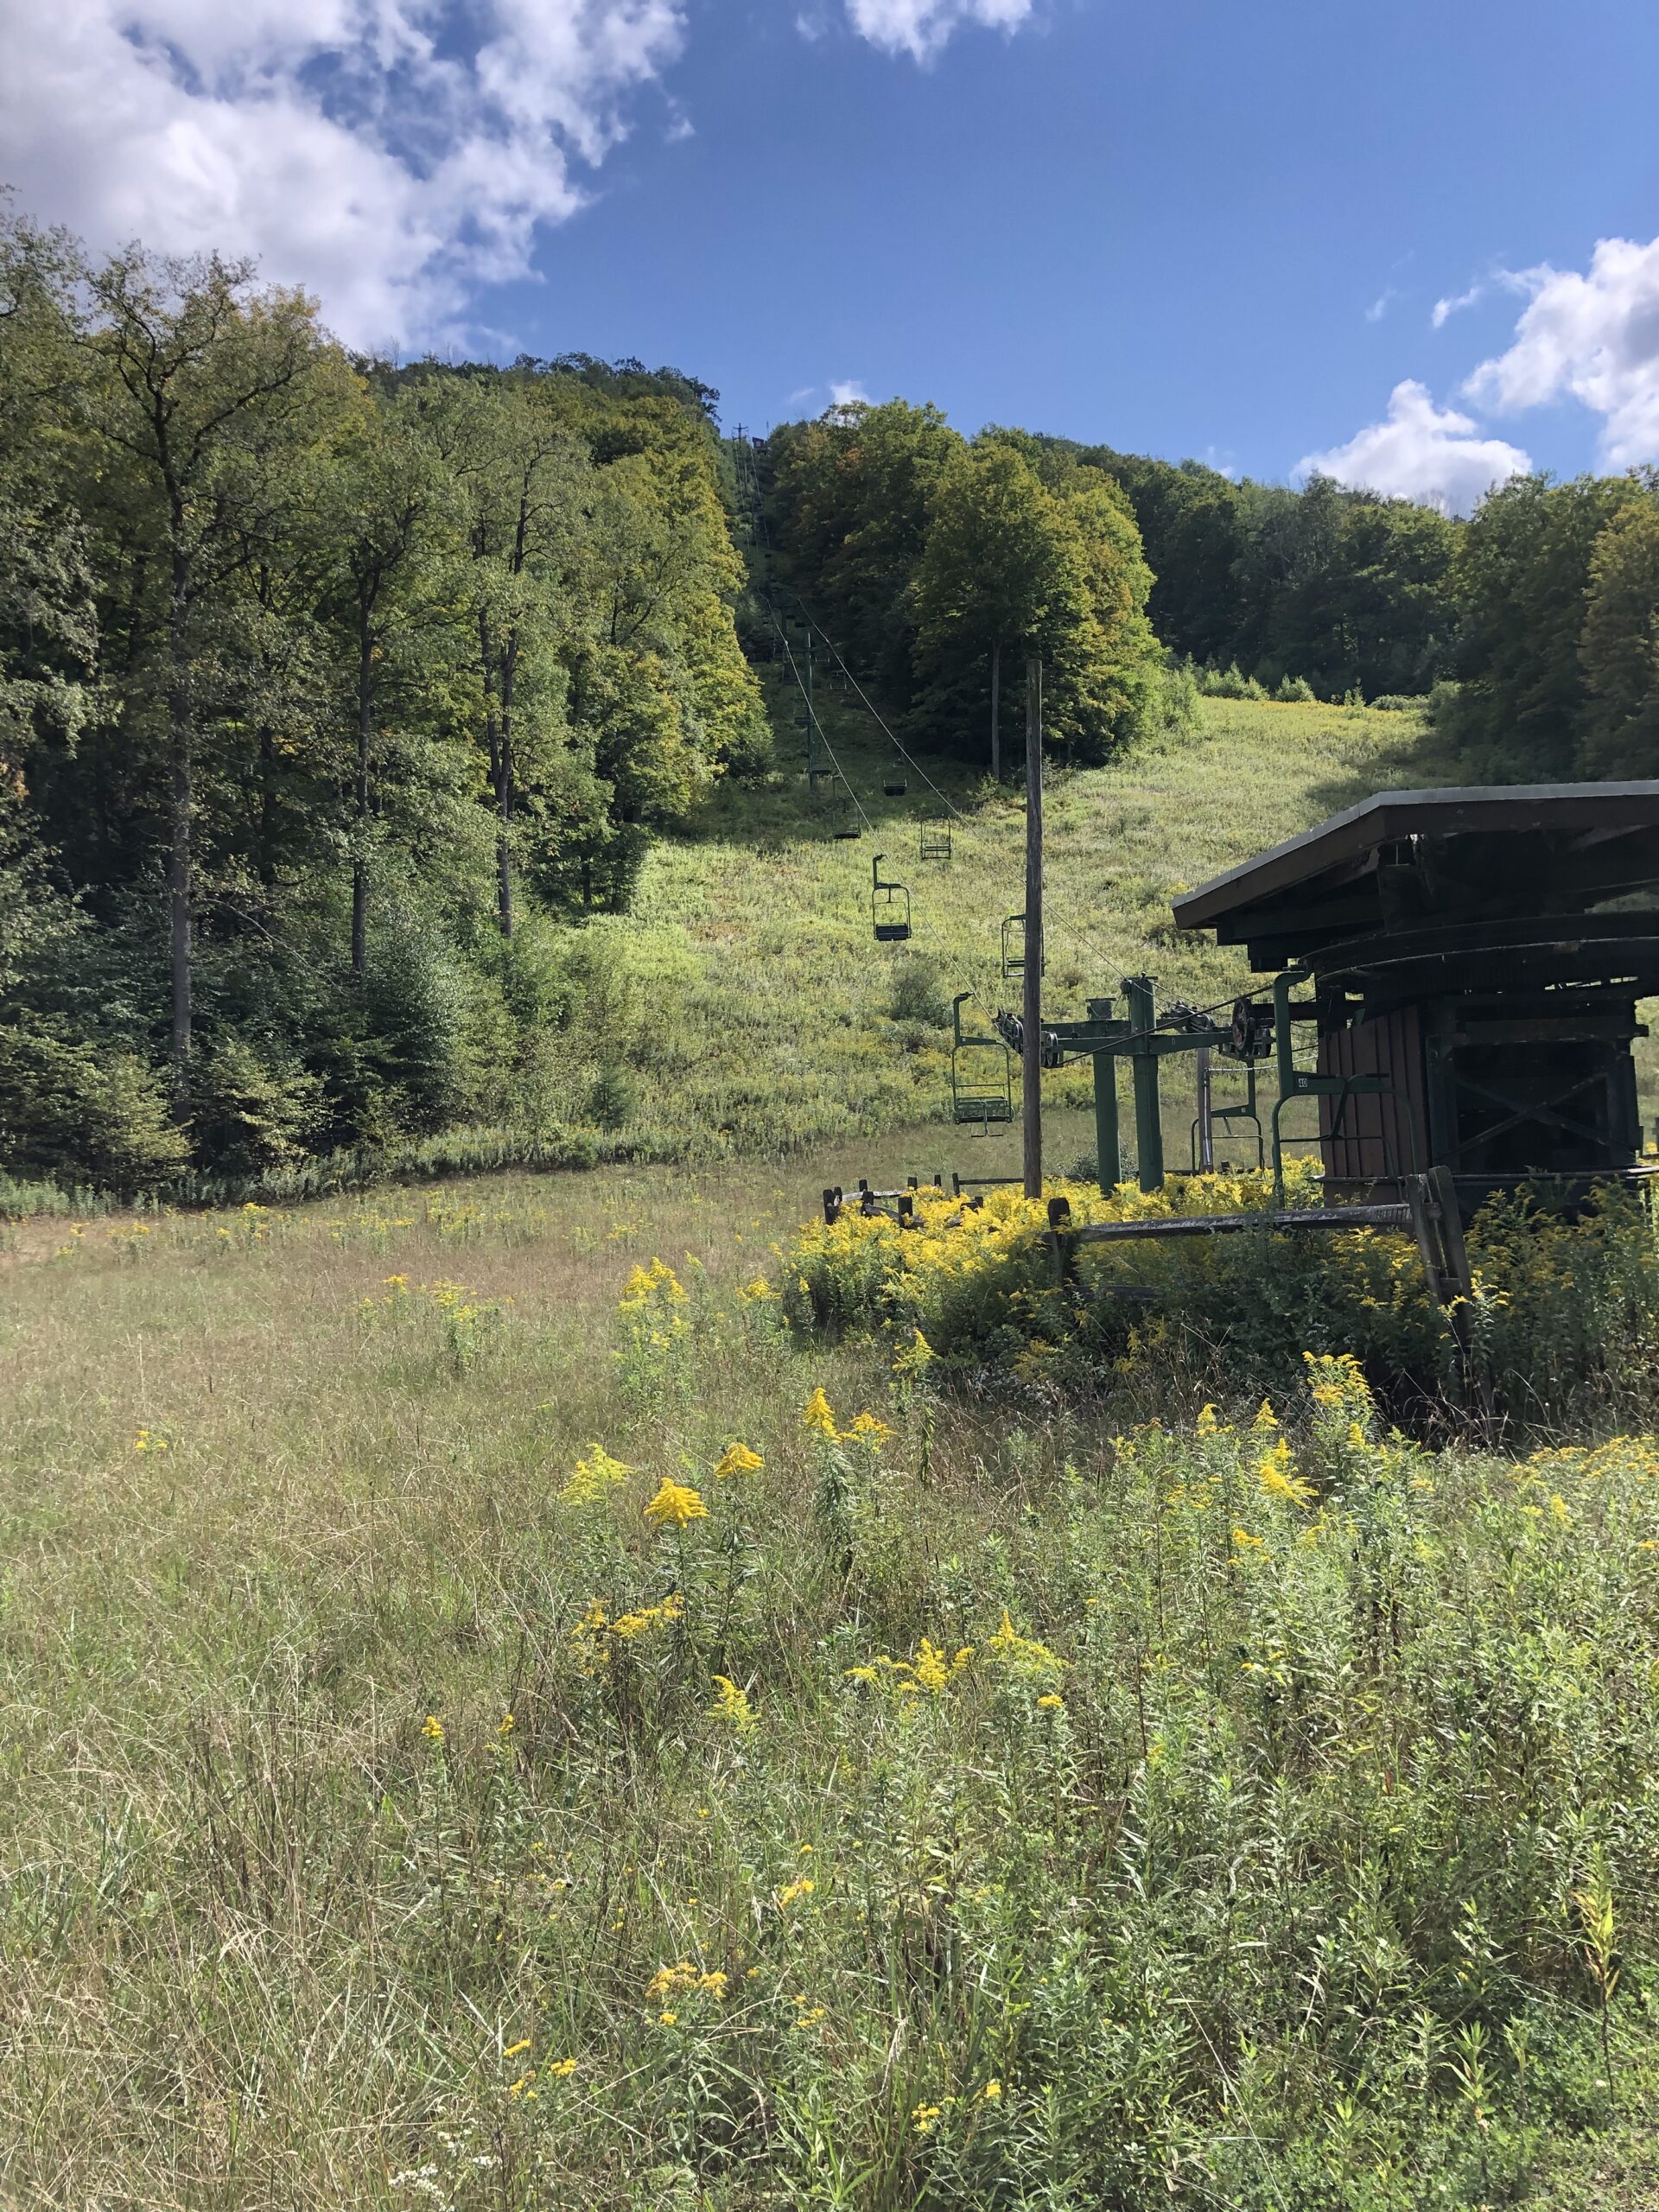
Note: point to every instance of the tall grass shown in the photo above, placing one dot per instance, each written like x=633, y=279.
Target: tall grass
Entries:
x=407, y=1803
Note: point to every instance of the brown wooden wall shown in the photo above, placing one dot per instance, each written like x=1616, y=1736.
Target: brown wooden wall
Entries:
x=1376, y=1137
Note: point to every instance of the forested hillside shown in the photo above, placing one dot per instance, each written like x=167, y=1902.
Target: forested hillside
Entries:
x=323, y=686
x=1535, y=622
x=345, y=709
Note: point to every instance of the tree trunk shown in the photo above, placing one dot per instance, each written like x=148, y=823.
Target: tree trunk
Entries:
x=179, y=860
x=504, y=794
x=997, y=688
x=360, y=857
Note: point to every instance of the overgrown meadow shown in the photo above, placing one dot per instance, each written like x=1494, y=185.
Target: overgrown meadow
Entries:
x=494, y=1716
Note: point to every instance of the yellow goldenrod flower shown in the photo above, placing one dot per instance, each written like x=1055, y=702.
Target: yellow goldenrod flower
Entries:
x=675, y=1506
x=595, y=1477
x=818, y=1416
x=1246, y=1542
x=563, y=2068
x=1207, y=1423
x=738, y=1460
x=432, y=1729
x=1266, y=1418
x=507, y=1725
x=867, y=1429
x=792, y=1891
x=1277, y=1478
x=513, y=2050
x=915, y=1358
x=1051, y=1701
x=731, y=1705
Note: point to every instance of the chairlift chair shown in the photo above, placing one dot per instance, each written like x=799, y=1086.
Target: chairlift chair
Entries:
x=933, y=840
x=897, y=787
x=1013, y=947
x=889, y=907
x=982, y=1087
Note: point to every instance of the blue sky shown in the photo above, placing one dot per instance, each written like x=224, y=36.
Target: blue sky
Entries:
x=1206, y=228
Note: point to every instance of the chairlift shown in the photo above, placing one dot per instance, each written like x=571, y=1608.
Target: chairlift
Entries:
x=1013, y=947
x=889, y=907
x=982, y=1087
x=933, y=840
x=848, y=830
x=897, y=787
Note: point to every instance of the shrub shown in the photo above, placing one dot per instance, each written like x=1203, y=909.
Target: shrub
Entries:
x=1295, y=690
x=1229, y=682
x=247, y=1116
x=614, y=1098
x=919, y=999
x=1565, y=1315
x=70, y=1110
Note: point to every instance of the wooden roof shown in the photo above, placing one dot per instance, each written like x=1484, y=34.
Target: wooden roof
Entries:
x=1493, y=871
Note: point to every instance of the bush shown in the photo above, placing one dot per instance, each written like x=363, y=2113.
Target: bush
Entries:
x=614, y=1098
x=69, y=1110
x=919, y=999
x=1229, y=683
x=1295, y=691
x=1566, y=1311
x=1400, y=702
x=249, y=1117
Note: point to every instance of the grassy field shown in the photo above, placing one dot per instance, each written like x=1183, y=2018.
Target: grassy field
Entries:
x=404, y=1805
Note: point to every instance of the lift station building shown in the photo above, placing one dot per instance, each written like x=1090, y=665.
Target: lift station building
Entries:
x=1478, y=955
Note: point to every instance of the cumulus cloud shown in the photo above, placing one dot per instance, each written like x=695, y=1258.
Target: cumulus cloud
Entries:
x=1420, y=452
x=391, y=155
x=848, y=391
x=922, y=27
x=1594, y=338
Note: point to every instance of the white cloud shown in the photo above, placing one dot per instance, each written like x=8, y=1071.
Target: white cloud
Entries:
x=1446, y=309
x=1594, y=337
x=390, y=155
x=1381, y=304
x=1421, y=451
x=923, y=28
x=848, y=391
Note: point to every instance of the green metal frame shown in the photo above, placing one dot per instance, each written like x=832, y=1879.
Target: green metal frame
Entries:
x=975, y=1098
x=889, y=907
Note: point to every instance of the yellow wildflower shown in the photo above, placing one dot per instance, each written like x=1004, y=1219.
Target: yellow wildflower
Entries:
x=514, y=2049
x=867, y=1429
x=792, y=1891
x=732, y=1705
x=915, y=1358
x=1021, y=1655
x=667, y=2020
x=1208, y=1423
x=595, y=1477
x=927, y=2118
x=1266, y=1418
x=1246, y=1542
x=819, y=1415
x=563, y=2068
x=1051, y=1701
x=738, y=1460
x=1278, y=1479
x=991, y=2091
x=675, y=1506
x=432, y=1729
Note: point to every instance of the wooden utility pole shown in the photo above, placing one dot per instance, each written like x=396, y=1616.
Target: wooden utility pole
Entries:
x=996, y=696
x=1031, y=1058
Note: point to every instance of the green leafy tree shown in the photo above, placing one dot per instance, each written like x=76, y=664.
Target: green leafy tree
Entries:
x=1619, y=647
x=1523, y=574
x=194, y=380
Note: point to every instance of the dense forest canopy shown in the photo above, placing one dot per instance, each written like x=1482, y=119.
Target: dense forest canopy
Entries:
x=318, y=678
x=335, y=695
